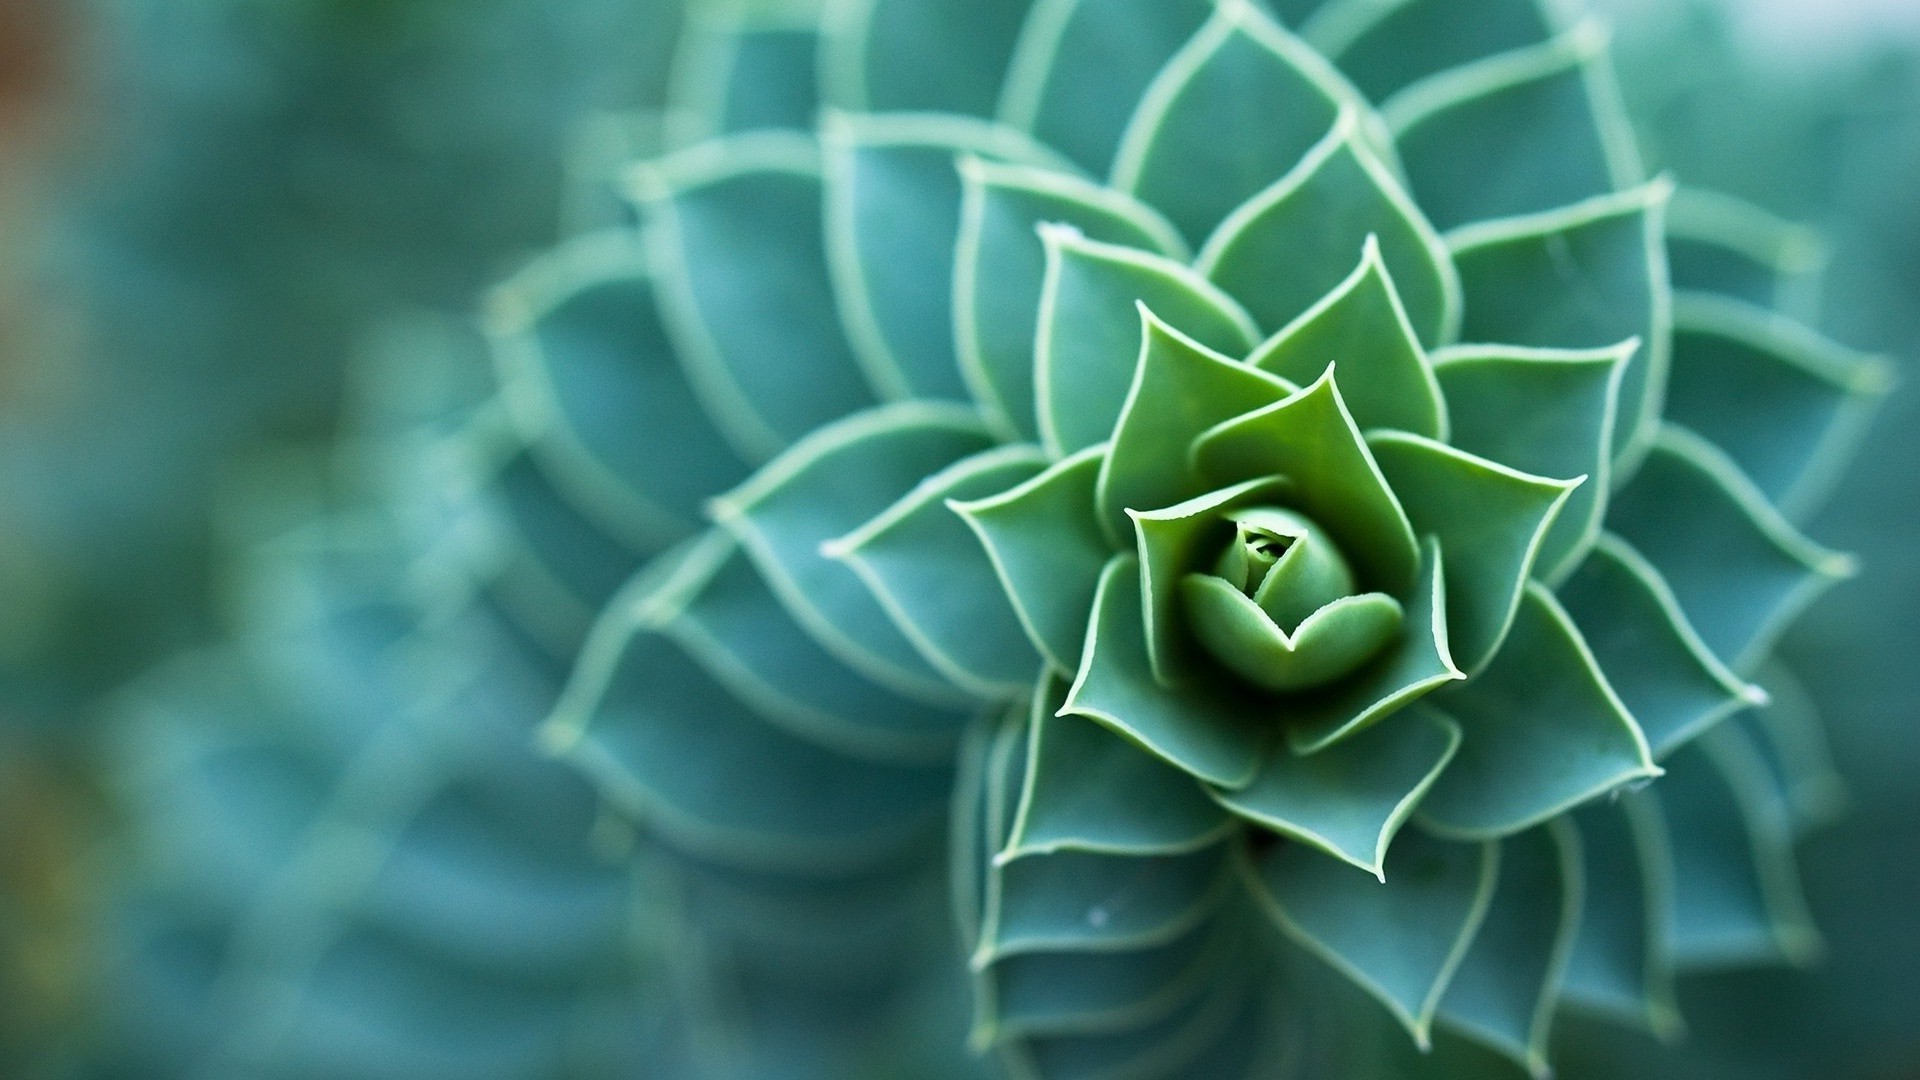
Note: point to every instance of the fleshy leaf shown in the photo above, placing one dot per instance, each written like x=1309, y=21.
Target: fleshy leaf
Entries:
x=1214, y=1035
x=1740, y=570
x=1237, y=106
x=1045, y=540
x=919, y=55
x=1350, y=801
x=1081, y=65
x=893, y=212
x=1667, y=678
x=1505, y=992
x=1209, y=730
x=1524, y=131
x=1089, y=335
x=1618, y=966
x=1787, y=405
x=1173, y=543
x=1547, y=412
x=1082, y=902
x=1489, y=520
x=735, y=240
x=742, y=70
x=1362, y=327
x=1285, y=249
x=1544, y=732
x=1790, y=735
x=1586, y=277
x=1384, y=47
x=1089, y=789
x=928, y=570
x=1401, y=939
x=1180, y=389
x=1085, y=993
x=1726, y=245
x=830, y=482
x=1329, y=644
x=1311, y=439
x=1000, y=271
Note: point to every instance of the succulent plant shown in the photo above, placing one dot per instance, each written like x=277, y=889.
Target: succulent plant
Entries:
x=1361, y=501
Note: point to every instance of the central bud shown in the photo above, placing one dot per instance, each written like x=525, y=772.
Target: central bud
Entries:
x=1281, y=606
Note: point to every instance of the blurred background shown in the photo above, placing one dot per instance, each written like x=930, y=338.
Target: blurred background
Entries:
x=217, y=215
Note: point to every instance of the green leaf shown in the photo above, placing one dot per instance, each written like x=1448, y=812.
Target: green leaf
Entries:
x=1000, y=271
x=1521, y=132
x=1547, y=412
x=1666, y=676
x=1383, y=47
x=1618, y=966
x=830, y=482
x=944, y=56
x=1311, y=439
x=1046, y=544
x=1328, y=645
x=1180, y=389
x=1490, y=521
x=1726, y=245
x=1420, y=664
x=1740, y=570
x=1090, y=340
x=1081, y=902
x=1787, y=405
x=928, y=570
x=1586, y=277
x=1285, y=249
x=1350, y=801
x=1089, y=993
x=893, y=212
x=1081, y=66
x=1505, y=992
x=1544, y=732
x=1237, y=106
x=735, y=240
x=1400, y=939
x=1209, y=730
x=1089, y=789
x=739, y=70
x=1173, y=543
x=1214, y=1035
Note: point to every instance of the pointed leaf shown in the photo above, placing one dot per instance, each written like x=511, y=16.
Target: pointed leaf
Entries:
x=1618, y=966
x=1546, y=412
x=1586, y=277
x=1241, y=74
x=1544, y=732
x=1083, y=64
x=1045, y=540
x=1209, y=730
x=1089, y=789
x=1089, y=336
x=1523, y=131
x=1285, y=249
x=1666, y=676
x=1311, y=439
x=735, y=242
x=927, y=568
x=835, y=479
x=1740, y=570
x=1400, y=940
x=1000, y=271
x=1383, y=47
x=1080, y=902
x=1351, y=800
x=945, y=56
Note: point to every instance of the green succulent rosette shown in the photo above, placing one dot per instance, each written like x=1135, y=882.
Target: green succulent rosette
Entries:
x=1356, y=500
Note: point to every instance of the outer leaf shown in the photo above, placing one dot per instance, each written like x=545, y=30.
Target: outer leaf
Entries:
x=1490, y=521
x=1088, y=993
x=1588, y=276
x=1400, y=940
x=1544, y=732
x=1384, y=46
x=1000, y=272
x=1790, y=735
x=1725, y=245
x=1241, y=74
x=735, y=241
x=919, y=55
x=1619, y=965
x=1208, y=730
x=1350, y=801
x=1547, y=412
x=1082, y=65
x=1517, y=133
x=738, y=69
x=1089, y=789
x=830, y=482
x=1740, y=570
x=928, y=570
x=1666, y=676
x=1089, y=336
x=1079, y=902
x=1310, y=221
x=1213, y=1035
x=1046, y=544
x=1311, y=439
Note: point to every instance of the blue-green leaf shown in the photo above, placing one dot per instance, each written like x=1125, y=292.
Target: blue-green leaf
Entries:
x=1073, y=901
x=1088, y=993
x=1383, y=47
x=919, y=55
x=1619, y=965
